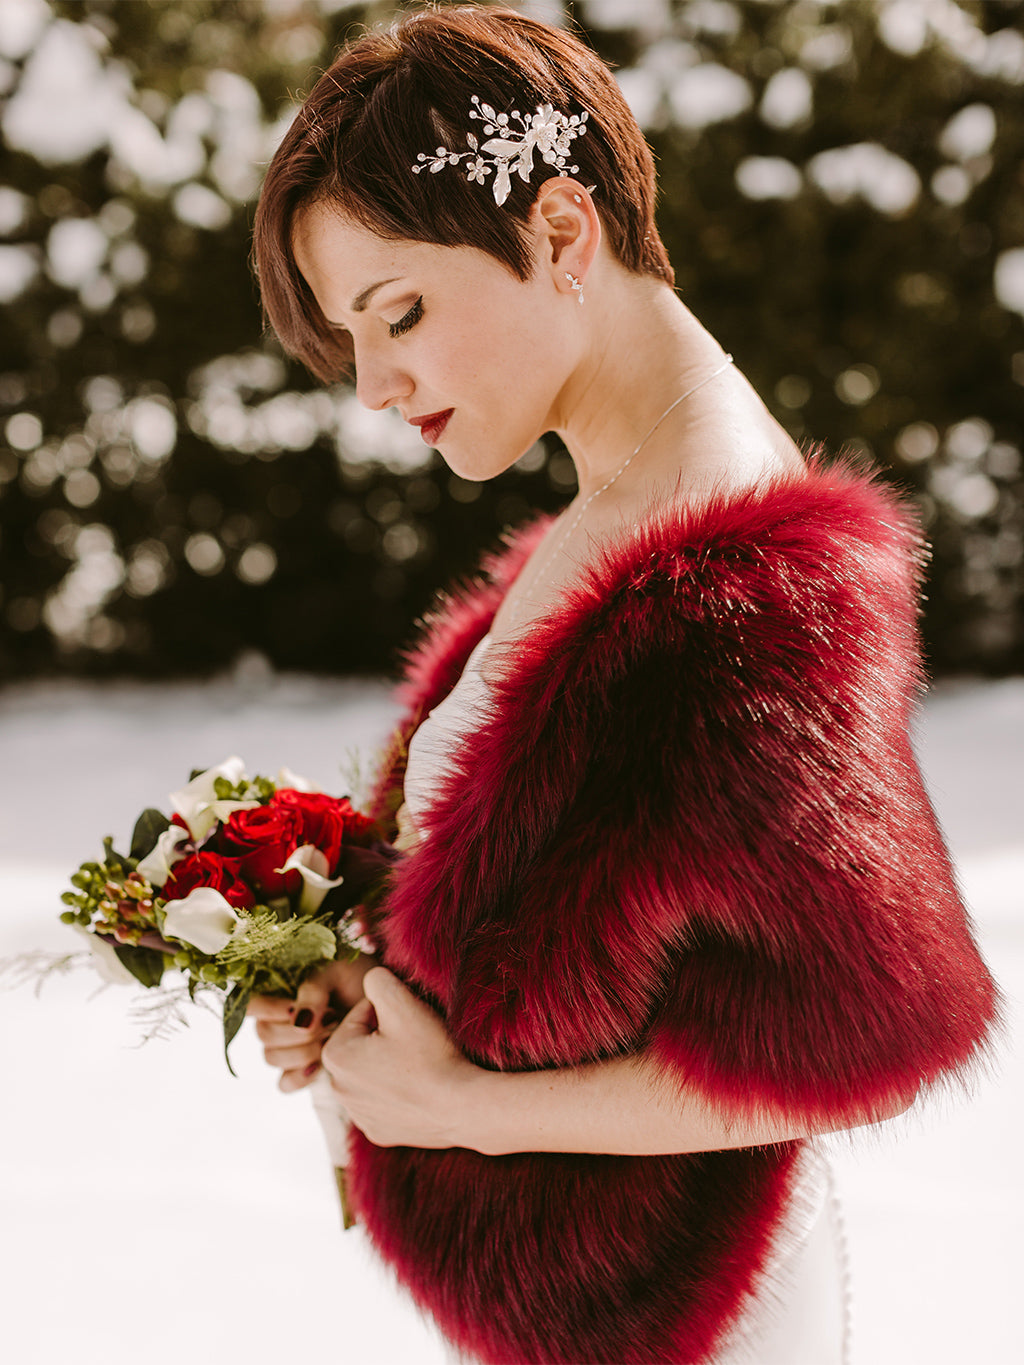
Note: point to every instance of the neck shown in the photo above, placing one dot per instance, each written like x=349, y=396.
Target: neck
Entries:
x=648, y=349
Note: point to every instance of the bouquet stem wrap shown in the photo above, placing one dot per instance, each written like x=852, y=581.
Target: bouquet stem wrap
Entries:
x=336, y=1128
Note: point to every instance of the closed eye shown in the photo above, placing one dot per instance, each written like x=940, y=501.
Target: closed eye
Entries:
x=405, y=324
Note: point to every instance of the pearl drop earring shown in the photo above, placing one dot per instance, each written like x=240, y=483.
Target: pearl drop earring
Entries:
x=577, y=285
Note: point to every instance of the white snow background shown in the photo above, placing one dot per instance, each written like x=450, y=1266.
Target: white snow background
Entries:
x=155, y=1209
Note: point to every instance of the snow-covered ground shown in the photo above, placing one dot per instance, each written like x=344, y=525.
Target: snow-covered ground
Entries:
x=154, y=1209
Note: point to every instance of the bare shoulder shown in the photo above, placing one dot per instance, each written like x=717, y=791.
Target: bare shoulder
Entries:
x=571, y=544
x=721, y=473
x=736, y=470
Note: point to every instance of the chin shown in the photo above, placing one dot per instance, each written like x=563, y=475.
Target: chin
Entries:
x=470, y=474
x=474, y=470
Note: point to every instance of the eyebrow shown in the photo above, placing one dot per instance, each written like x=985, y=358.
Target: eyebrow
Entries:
x=360, y=301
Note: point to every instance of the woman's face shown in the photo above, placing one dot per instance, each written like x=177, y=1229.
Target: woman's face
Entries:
x=446, y=334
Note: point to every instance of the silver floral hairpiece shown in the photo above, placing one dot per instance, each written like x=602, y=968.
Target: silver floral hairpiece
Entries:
x=547, y=131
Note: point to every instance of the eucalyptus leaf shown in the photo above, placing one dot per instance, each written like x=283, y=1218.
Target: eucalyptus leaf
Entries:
x=148, y=828
x=145, y=964
x=234, y=1014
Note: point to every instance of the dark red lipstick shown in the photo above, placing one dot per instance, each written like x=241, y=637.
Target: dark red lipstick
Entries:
x=432, y=425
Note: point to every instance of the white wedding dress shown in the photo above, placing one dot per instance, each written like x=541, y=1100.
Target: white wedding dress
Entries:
x=801, y=1315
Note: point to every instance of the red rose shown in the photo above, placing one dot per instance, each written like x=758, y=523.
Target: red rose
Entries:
x=262, y=838
x=209, y=869
x=327, y=822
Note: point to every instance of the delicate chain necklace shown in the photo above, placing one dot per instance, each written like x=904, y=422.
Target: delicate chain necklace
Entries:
x=517, y=610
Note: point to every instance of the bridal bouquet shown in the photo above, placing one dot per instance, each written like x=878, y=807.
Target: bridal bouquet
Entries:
x=246, y=887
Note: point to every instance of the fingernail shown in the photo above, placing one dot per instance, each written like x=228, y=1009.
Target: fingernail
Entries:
x=330, y=1019
x=312, y=1069
x=304, y=1018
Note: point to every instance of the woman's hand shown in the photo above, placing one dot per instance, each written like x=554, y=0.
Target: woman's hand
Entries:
x=293, y=1032
x=398, y=1074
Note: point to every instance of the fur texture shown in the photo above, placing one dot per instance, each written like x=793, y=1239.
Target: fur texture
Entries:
x=693, y=824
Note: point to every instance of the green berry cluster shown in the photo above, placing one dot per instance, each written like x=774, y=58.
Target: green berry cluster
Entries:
x=111, y=898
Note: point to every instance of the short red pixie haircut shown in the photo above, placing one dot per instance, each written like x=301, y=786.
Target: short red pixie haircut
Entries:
x=408, y=89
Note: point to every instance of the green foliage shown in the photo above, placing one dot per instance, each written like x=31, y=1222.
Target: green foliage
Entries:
x=114, y=861
x=145, y=964
x=234, y=1016
x=38, y=966
x=276, y=954
x=175, y=493
x=248, y=789
x=268, y=956
x=148, y=828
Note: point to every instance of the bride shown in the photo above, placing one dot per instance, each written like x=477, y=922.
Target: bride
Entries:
x=673, y=902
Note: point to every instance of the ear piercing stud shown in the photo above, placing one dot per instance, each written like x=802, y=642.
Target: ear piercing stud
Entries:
x=577, y=285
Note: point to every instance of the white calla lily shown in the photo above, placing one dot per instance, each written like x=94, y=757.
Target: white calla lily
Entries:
x=157, y=864
x=197, y=802
x=221, y=810
x=203, y=918
x=106, y=961
x=313, y=867
x=286, y=778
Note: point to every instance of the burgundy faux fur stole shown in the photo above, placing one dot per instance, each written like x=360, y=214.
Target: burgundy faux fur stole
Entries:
x=693, y=824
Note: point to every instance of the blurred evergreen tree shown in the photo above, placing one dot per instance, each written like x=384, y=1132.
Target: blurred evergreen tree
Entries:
x=842, y=195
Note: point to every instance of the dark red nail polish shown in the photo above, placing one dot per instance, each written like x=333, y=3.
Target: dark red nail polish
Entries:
x=304, y=1018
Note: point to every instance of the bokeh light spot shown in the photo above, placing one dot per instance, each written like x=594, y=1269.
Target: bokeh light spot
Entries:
x=793, y=390
x=24, y=431
x=81, y=488
x=917, y=442
x=204, y=554
x=256, y=564
x=857, y=385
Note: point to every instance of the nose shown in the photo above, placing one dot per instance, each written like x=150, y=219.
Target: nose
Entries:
x=379, y=382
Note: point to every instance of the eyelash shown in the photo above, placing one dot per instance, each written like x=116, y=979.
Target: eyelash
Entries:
x=403, y=325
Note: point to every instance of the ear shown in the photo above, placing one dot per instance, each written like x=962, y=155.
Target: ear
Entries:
x=568, y=230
